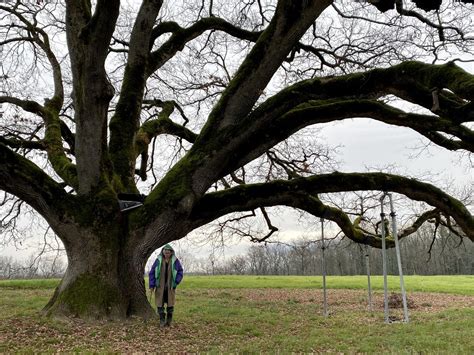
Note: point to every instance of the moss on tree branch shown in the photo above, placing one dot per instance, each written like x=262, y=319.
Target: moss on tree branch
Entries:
x=334, y=98
x=24, y=179
x=162, y=125
x=280, y=192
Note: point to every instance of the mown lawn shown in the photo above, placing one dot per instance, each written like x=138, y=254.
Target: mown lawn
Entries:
x=460, y=285
x=256, y=314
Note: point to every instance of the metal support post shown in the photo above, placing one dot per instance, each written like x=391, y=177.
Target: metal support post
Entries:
x=323, y=268
x=369, y=288
x=399, y=259
x=384, y=259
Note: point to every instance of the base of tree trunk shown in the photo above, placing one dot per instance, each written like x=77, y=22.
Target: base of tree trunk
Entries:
x=91, y=297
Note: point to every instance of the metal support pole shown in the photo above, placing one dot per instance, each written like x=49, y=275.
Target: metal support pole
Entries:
x=369, y=288
x=323, y=268
x=384, y=259
x=399, y=259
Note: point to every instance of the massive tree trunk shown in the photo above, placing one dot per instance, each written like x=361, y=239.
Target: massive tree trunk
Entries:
x=104, y=278
x=107, y=252
x=96, y=283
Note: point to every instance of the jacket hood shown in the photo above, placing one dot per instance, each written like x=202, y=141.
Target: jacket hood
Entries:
x=167, y=246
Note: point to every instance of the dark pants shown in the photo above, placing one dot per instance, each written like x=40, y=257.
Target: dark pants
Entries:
x=165, y=296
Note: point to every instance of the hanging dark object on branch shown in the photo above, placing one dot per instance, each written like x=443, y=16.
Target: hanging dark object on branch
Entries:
x=129, y=201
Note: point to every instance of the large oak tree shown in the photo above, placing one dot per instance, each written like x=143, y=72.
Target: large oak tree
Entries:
x=243, y=76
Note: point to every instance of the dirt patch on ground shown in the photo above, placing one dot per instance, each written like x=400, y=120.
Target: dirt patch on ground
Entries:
x=358, y=299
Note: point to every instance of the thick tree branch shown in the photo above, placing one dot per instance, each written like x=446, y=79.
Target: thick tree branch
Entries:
x=124, y=124
x=27, y=105
x=162, y=125
x=52, y=141
x=52, y=106
x=25, y=180
x=335, y=98
x=88, y=38
x=426, y=125
x=290, y=22
x=23, y=143
x=264, y=59
x=294, y=193
x=412, y=81
x=315, y=112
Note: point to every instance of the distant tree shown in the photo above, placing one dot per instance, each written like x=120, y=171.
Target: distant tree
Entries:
x=238, y=265
x=6, y=267
x=225, y=86
x=257, y=259
x=33, y=267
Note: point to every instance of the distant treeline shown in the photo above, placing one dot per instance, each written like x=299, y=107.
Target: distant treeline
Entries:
x=32, y=268
x=421, y=255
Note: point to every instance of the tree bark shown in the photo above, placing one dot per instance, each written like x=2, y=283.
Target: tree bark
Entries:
x=106, y=262
x=104, y=280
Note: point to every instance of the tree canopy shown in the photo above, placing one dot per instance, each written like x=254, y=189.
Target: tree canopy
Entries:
x=194, y=109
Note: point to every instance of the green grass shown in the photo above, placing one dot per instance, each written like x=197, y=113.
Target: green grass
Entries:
x=461, y=285
x=453, y=284
x=254, y=314
x=30, y=284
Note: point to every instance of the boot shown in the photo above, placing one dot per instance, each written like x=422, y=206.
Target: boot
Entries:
x=169, y=316
x=161, y=312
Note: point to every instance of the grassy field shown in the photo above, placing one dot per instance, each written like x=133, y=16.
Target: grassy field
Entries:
x=460, y=285
x=257, y=314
